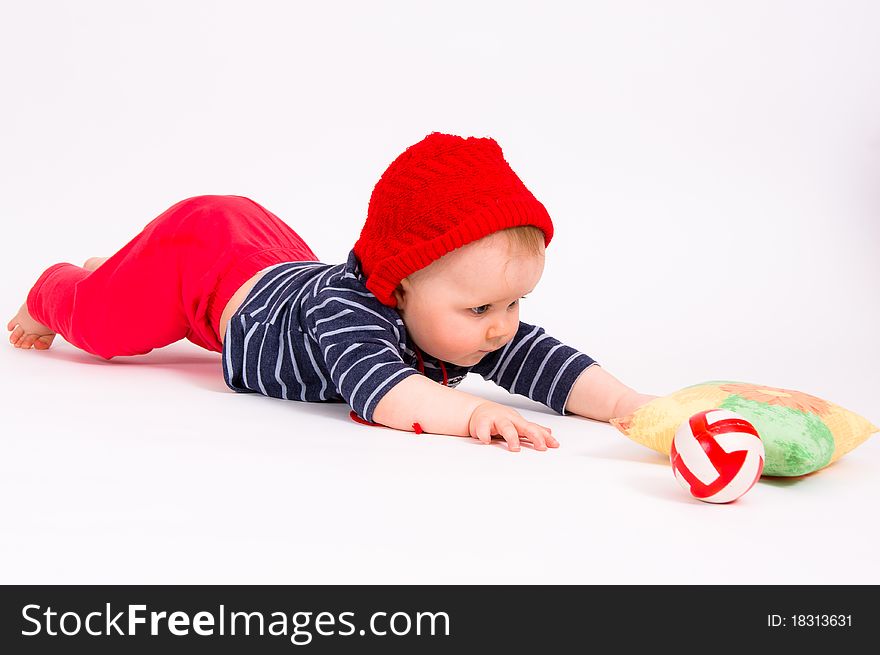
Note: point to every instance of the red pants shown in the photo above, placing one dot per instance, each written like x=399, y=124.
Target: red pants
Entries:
x=172, y=281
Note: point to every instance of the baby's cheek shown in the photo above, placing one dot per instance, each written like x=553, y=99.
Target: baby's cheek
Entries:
x=464, y=336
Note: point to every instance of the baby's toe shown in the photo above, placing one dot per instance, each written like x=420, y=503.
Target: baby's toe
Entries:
x=30, y=339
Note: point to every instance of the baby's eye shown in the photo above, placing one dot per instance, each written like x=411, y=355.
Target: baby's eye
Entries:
x=482, y=309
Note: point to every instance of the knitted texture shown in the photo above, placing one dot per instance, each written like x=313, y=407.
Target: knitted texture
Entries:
x=438, y=195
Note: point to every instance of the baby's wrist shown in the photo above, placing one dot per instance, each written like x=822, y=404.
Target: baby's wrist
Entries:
x=631, y=401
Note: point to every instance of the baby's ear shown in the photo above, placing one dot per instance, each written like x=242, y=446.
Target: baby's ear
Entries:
x=398, y=295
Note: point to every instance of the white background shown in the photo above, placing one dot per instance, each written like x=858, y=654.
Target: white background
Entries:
x=713, y=173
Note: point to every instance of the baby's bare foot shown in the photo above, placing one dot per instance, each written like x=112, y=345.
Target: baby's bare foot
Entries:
x=94, y=262
x=29, y=333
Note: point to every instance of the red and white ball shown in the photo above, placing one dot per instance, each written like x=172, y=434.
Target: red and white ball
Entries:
x=717, y=455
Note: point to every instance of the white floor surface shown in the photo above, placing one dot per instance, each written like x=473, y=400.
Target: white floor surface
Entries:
x=149, y=470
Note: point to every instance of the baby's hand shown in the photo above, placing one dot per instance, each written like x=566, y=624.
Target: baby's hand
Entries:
x=490, y=419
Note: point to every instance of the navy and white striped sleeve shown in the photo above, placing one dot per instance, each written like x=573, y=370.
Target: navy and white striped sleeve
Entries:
x=535, y=365
x=360, y=341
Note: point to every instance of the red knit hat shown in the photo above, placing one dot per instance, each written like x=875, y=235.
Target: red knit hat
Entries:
x=438, y=195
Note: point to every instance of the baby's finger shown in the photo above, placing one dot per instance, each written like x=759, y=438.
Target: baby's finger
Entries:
x=535, y=435
x=548, y=436
x=509, y=432
x=482, y=431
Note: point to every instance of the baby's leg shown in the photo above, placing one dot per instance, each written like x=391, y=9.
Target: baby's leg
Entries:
x=27, y=332
x=125, y=304
x=170, y=282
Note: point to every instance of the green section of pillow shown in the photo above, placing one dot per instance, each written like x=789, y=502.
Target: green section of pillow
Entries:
x=795, y=443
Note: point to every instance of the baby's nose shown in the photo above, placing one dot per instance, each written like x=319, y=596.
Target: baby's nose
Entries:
x=499, y=334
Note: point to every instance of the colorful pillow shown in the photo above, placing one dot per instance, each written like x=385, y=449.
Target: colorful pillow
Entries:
x=801, y=433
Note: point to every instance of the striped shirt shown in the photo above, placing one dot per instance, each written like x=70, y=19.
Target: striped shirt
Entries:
x=313, y=332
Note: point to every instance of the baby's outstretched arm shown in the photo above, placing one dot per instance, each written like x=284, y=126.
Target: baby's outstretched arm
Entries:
x=443, y=410
x=599, y=395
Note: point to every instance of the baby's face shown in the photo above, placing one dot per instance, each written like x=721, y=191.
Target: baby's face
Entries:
x=466, y=303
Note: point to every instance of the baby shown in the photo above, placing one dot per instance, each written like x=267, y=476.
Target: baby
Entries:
x=452, y=242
